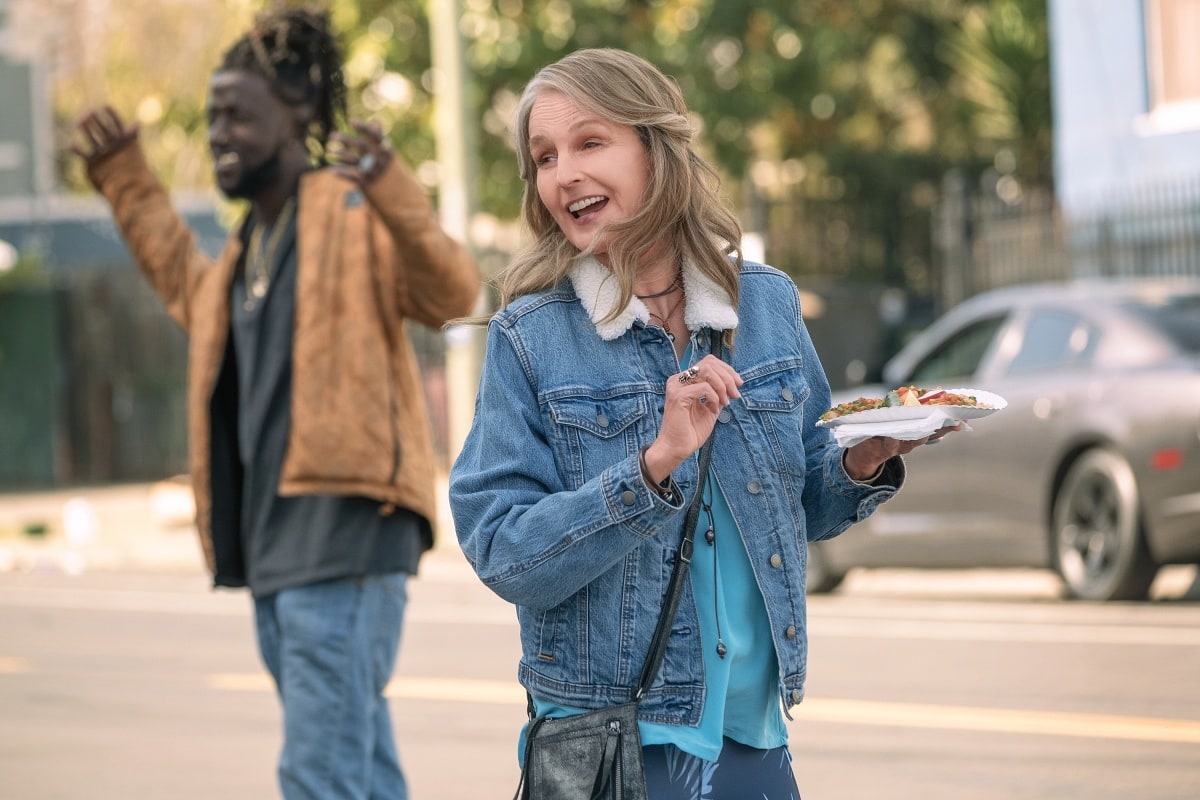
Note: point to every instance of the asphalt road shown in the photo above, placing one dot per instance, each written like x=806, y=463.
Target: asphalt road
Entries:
x=979, y=687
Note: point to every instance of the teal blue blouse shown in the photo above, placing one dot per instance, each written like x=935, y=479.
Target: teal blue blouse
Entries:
x=742, y=698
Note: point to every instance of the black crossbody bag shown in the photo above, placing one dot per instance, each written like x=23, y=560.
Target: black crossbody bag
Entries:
x=598, y=755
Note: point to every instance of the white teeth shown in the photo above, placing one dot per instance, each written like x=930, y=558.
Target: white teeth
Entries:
x=227, y=159
x=580, y=205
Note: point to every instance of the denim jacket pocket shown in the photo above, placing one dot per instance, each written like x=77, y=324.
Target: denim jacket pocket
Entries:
x=592, y=432
x=776, y=402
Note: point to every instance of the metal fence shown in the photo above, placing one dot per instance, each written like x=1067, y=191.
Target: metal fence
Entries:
x=93, y=382
x=982, y=242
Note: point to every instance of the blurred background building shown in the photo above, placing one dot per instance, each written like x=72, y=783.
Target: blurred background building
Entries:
x=1126, y=147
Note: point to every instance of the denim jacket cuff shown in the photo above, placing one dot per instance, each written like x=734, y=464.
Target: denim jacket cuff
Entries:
x=632, y=502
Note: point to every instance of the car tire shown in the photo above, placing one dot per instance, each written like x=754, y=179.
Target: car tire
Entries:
x=1099, y=548
x=820, y=577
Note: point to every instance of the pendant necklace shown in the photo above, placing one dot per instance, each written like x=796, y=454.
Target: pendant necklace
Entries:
x=260, y=257
x=710, y=537
x=663, y=321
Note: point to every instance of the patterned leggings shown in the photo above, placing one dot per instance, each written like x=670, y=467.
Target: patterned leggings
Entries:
x=739, y=773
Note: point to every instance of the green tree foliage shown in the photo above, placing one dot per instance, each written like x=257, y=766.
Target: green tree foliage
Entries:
x=833, y=121
x=149, y=61
x=999, y=54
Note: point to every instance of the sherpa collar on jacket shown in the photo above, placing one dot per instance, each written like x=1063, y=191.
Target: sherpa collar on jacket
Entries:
x=707, y=304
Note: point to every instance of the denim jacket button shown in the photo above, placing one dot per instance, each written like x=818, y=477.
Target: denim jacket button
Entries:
x=602, y=420
x=776, y=561
x=790, y=632
x=628, y=498
x=786, y=394
x=724, y=415
x=754, y=487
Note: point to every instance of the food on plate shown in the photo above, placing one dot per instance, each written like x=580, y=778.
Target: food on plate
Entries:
x=904, y=396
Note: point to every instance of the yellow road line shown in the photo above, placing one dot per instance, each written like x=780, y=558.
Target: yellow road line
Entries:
x=409, y=688
x=12, y=665
x=468, y=691
x=240, y=682
x=848, y=712
x=999, y=720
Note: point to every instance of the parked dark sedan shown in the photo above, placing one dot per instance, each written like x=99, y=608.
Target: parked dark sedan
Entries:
x=1093, y=469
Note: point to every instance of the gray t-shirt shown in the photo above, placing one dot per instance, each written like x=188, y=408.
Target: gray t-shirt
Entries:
x=295, y=541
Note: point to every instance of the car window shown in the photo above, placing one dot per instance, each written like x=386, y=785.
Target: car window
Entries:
x=1053, y=338
x=959, y=356
x=1178, y=318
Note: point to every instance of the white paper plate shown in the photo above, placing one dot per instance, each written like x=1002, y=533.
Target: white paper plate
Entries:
x=993, y=403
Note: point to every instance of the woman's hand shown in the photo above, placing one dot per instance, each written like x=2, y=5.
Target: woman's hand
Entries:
x=864, y=460
x=103, y=132
x=694, y=399
x=361, y=157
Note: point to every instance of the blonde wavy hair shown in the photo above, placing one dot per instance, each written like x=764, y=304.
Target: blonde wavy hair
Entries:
x=682, y=200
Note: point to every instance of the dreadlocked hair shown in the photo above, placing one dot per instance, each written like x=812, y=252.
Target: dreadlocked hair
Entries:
x=296, y=51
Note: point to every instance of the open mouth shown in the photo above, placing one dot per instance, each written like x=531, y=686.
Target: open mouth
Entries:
x=228, y=160
x=587, y=205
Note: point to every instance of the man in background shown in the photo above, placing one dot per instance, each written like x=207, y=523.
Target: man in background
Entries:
x=310, y=451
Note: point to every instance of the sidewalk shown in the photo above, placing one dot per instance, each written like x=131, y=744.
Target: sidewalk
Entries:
x=147, y=527
x=134, y=527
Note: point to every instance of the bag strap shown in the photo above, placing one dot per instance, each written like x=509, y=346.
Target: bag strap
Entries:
x=662, y=630
x=666, y=617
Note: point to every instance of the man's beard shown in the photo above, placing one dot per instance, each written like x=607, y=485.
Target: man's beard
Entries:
x=256, y=179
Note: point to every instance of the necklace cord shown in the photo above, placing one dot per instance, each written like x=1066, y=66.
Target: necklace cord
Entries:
x=665, y=321
x=675, y=284
x=710, y=536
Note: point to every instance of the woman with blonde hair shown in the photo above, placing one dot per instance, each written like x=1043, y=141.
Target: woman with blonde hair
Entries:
x=631, y=332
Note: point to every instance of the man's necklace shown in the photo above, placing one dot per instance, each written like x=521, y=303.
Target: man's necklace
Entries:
x=260, y=257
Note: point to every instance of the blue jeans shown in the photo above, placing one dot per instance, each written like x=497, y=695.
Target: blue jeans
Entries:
x=331, y=648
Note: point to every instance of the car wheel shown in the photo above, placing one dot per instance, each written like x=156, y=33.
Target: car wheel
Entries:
x=821, y=578
x=1099, y=548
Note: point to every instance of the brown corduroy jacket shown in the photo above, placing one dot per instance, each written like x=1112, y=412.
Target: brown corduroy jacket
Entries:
x=367, y=261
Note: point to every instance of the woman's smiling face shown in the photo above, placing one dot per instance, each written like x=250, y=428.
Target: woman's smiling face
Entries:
x=590, y=171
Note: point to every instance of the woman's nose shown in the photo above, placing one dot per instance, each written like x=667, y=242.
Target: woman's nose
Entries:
x=566, y=171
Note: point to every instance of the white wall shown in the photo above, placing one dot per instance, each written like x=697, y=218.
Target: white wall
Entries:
x=1106, y=141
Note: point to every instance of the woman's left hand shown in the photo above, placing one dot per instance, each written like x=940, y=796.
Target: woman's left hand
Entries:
x=864, y=460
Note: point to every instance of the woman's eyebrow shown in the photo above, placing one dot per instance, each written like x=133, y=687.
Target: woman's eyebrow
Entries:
x=538, y=138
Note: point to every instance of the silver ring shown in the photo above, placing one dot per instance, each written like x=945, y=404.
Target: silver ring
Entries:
x=366, y=163
x=689, y=375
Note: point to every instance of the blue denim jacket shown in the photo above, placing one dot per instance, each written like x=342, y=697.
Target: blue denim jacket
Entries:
x=553, y=514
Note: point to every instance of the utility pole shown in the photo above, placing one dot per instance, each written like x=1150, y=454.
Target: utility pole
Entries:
x=454, y=133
